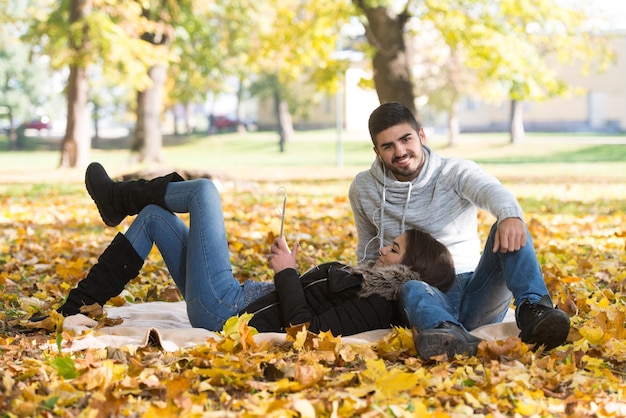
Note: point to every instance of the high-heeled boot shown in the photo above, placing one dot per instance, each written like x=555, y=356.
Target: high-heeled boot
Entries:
x=116, y=200
x=116, y=266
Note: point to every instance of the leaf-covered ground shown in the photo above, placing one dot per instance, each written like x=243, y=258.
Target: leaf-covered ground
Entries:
x=52, y=235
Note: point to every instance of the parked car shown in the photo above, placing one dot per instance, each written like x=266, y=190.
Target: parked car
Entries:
x=38, y=124
x=222, y=123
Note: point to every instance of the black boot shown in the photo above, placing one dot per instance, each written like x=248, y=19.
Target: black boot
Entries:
x=116, y=266
x=447, y=338
x=541, y=324
x=116, y=200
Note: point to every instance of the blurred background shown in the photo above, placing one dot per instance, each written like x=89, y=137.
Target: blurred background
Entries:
x=87, y=74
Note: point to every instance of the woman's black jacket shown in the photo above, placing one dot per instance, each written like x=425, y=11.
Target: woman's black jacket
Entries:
x=332, y=297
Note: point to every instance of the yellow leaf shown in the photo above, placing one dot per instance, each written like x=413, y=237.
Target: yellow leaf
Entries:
x=526, y=407
x=70, y=269
x=390, y=381
x=177, y=386
x=327, y=342
x=302, y=340
x=309, y=374
x=237, y=333
x=592, y=333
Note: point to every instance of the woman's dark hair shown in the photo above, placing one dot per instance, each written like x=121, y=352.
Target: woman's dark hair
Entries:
x=390, y=114
x=430, y=258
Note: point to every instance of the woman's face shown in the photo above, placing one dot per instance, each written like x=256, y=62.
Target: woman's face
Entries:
x=394, y=253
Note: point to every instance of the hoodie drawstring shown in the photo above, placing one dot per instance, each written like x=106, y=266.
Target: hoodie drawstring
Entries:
x=382, y=211
x=406, y=205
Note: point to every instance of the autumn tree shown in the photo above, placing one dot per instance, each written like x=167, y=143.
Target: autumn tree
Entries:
x=441, y=79
x=75, y=147
x=482, y=48
x=160, y=18
x=500, y=49
x=386, y=30
x=213, y=44
x=24, y=76
x=79, y=34
x=198, y=68
x=540, y=32
x=296, y=42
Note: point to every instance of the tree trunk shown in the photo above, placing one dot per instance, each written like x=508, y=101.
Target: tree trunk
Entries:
x=392, y=64
x=177, y=119
x=148, y=137
x=76, y=144
x=189, y=122
x=517, y=122
x=13, y=134
x=241, y=123
x=95, y=139
x=148, y=141
x=453, y=125
x=285, y=123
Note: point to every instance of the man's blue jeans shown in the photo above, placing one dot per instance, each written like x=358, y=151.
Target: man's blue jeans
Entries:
x=197, y=256
x=479, y=298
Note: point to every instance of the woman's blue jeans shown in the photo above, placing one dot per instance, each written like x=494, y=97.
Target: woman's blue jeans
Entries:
x=479, y=298
x=197, y=256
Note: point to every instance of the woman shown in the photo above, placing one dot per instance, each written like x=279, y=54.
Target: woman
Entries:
x=330, y=297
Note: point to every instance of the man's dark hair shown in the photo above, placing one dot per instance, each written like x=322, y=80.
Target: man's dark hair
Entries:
x=390, y=114
x=430, y=258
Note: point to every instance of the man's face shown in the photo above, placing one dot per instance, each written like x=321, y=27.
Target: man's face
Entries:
x=400, y=149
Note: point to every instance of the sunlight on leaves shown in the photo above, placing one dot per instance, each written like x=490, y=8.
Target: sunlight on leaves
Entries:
x=582, y=256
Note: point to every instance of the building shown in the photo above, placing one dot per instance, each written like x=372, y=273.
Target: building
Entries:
x=599, y=106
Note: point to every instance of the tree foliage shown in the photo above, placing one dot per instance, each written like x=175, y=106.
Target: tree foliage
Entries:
x=510, y=48
x=297, y=42
x=24, y=75
x=385, y=25
x=285, y=51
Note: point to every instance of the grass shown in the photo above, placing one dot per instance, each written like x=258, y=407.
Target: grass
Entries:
x=315, y=154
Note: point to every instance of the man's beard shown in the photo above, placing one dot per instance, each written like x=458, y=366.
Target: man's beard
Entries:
x=408, y=171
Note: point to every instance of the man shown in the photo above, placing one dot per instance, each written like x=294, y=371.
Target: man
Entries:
x=410, y=186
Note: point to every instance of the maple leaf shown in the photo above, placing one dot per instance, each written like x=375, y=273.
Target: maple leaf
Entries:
x=326, y=341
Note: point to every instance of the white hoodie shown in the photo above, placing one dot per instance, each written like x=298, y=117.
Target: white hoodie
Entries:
x=442, y=201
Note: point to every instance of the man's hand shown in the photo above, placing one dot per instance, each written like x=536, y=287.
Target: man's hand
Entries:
x=510, y=235
x=281, y=258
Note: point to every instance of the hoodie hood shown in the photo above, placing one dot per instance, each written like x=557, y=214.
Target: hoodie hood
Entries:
x=385, y=281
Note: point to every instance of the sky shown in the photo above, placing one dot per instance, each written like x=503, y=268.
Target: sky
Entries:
x=614, y=11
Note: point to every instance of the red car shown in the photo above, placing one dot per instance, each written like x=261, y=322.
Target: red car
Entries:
x=38, y=124
x=223, y=123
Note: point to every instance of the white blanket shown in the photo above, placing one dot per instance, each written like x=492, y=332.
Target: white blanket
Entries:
x=166, y=324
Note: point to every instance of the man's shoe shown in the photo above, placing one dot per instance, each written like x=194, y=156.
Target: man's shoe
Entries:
x=541, y=324
x=447, y=338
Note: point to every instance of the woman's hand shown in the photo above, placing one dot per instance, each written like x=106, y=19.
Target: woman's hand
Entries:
x=281, y=258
